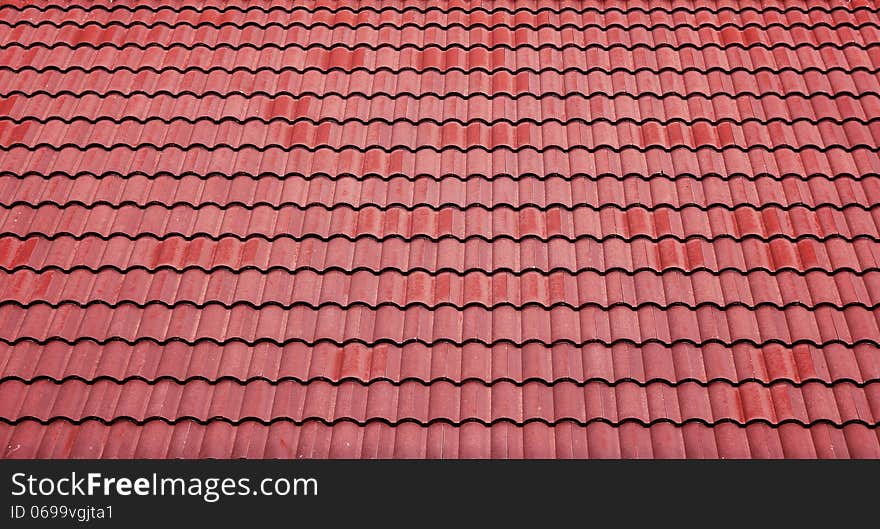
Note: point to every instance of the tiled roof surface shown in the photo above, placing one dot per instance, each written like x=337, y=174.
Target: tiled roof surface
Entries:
x=440, y=229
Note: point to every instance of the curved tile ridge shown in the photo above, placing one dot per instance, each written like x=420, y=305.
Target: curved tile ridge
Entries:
x=837, y=71
x=428, y=161
x=138, y=236
x=371, y=136
x=167, y=84
x=433, y=305
x=345, y=160
x=224, y=379
x=175, y=203
x=262, y=340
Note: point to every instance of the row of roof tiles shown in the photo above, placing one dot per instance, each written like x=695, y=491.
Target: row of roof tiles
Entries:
x=292, y=58
x=311, y=288
x=473, y=401
x=265, y=222
x=365, y=337
x=608, y=192
x=503, y=14
x=190, y=439
x=690, y=222
x=402, y=135
x=709, y=82
x=651, y=362
x=438, y=163
x=584, y=108
x=422, y=254
x=390, y=324
x=290, y=34
x=515, y=6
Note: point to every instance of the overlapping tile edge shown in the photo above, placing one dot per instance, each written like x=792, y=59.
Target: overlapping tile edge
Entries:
x=827, y=234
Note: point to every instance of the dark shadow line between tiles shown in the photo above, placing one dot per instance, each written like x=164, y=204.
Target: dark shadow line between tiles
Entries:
x=833, y=96
x=800, y=272
x=143, y=121
x=405, y=307
x=443, y=206
x=46, y=340
x=403, y=26
x=845, y=10
x=430, y=69
x=440, y=149
x=657, y=273
x=439, y=238
x=727, y=177
x=388, y=47
x=459, y=382
x=435, y=420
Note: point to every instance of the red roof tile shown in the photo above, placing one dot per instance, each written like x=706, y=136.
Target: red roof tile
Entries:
x=530, y=228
